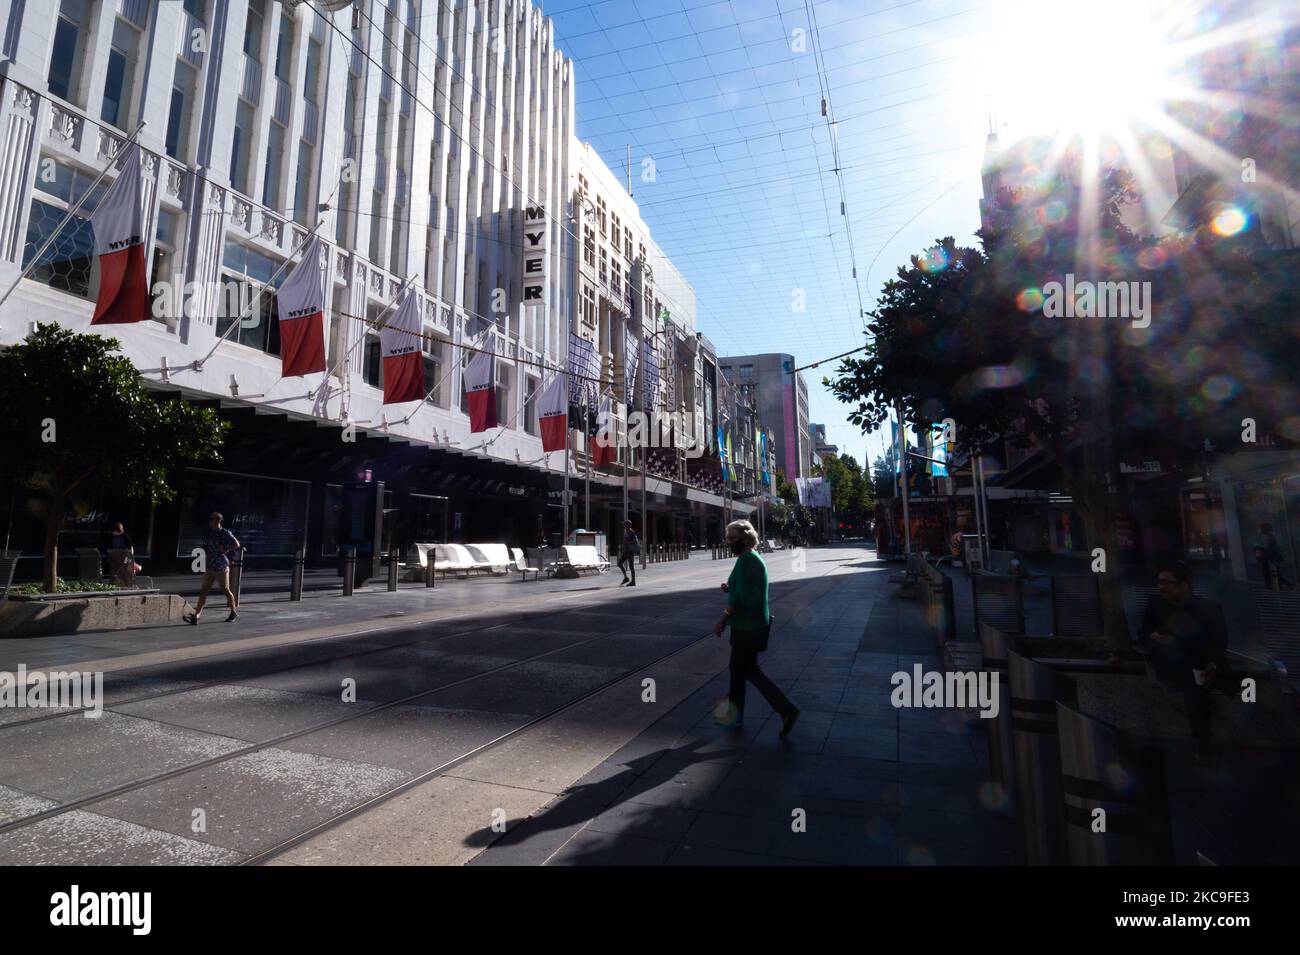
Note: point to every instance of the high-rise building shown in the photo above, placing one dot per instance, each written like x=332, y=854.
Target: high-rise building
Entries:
x=430, y=146
x=780, y=395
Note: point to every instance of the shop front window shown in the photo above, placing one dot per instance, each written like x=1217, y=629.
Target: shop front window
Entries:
x=1275, y=503
x=1204, y=534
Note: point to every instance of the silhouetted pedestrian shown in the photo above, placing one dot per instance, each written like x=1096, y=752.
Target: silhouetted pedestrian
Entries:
x=1269, y=556
x=751, y=623
x=1185, y=640
x=628, y=552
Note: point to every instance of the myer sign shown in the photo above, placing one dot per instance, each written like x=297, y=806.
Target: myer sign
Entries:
x=535, y=230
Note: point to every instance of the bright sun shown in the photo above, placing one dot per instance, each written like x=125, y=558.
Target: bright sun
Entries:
x=1092, y=68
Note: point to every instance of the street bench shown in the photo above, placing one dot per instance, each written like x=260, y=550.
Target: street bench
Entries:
x=522, y=565
x=580, y=557
x=490, y=557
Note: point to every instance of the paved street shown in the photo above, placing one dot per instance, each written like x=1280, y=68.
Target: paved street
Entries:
x=497, y=721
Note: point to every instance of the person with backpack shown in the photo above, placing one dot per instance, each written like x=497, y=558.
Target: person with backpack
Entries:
x=750, y=619
x=628, y=552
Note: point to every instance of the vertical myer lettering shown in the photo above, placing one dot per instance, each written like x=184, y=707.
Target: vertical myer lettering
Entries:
x=534, y=259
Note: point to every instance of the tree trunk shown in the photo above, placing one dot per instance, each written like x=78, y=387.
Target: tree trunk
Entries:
x=53, y=524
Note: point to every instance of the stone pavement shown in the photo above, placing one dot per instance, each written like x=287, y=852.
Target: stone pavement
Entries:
x=874, y=785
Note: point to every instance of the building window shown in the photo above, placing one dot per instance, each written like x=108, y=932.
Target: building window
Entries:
x=503, y=393
x=588, y=306
x=120, y=77
x=435, y=359
x=178, y=119
x=65, y=58
x=248, y=298
x=241, y=147
x=69, y=263
x=627, y=242
x=162, y=272
x=274, y=158
x=372, y=362
x=589, y=246
x=284, y=50
x=303, y=210
x=746, y=372
x=603, y=270
x=311, y=82
x=531, y=386
x=253, y=27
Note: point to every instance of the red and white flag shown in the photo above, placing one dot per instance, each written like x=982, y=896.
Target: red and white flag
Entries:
x=553, y=413
x=602, y=443
x=301, y=303
x=118, y=222
x=480, y=388
x=399, y=344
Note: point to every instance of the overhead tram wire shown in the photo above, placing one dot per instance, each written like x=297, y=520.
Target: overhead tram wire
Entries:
x=828, y=112
x=400, y=84
x=330, y=22
x=631, y=136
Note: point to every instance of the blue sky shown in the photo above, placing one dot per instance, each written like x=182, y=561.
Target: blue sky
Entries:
x=726, y=99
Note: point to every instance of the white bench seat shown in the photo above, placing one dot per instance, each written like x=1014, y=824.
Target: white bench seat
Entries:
x=584, y=557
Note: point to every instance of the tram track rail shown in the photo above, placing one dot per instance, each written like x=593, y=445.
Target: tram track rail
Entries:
x=286, y=844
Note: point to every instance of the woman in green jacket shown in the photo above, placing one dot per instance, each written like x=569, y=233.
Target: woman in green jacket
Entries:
x=751, y=621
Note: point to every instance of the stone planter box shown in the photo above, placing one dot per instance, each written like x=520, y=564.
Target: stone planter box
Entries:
x=46, y=615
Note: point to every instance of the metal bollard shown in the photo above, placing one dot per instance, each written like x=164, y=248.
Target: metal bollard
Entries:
x=392, y=571
x=295, y=583
x=993, y=648
x=430, y=574
x=349, y=571
x=237, y=573
x=1040, y=799
x=1104, y=768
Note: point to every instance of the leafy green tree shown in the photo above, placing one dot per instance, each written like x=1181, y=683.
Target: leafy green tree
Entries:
x=882, y=478
x=77, y=414
x=785, y=490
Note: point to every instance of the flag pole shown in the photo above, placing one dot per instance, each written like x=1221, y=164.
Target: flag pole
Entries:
x=902, y=473
x=586, y=431
x=568, y=437
x=383, y=313
x=71, y=212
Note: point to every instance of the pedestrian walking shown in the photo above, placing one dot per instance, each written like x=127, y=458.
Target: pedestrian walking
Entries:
x=751, y=623
x=628, y=552
x=1269, y=556
x=124, y=568
x=221, y=543
x=1185, y=642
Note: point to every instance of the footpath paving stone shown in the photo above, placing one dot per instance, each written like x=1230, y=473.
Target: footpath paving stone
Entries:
x=868, y=783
